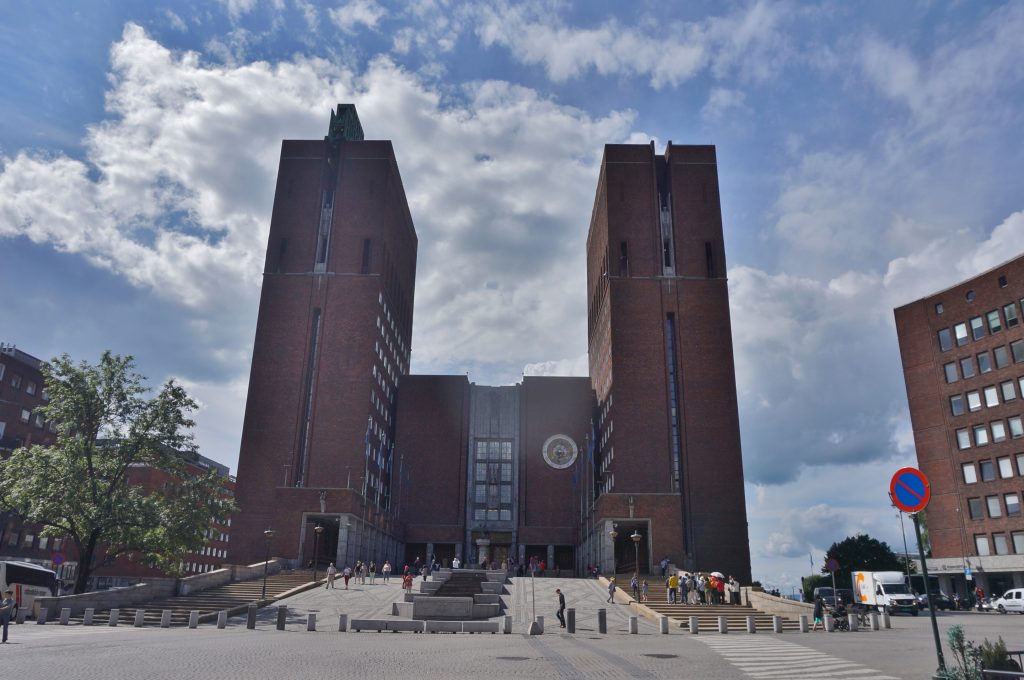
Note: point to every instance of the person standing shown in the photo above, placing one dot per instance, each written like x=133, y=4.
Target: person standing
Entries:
x=670, y=588
x=6, y=610
x=643, y=590
x=664, y=566
x=456, y=562
x=373, y=571
x=561, y=607
x=734, y=587
x=332, y=571
x=819, y=613
x=386, y=570
x=611, y=590
x=346, y=574
x=634, y=585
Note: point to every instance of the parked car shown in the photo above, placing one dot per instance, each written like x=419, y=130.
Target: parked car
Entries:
x=1011, y=601
x=942, y=601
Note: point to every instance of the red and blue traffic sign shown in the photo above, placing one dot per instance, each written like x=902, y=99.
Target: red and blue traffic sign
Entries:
x=910, y=490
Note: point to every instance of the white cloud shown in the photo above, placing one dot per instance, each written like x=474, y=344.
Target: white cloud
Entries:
x=350, y=16
x=574, y=366
x=720, y=102
x=176, y=22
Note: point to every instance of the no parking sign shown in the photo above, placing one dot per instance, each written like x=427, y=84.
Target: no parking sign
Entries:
x=910, y=490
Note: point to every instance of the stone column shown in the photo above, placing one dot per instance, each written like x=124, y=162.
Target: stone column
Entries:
x=342, y=553
x=458, y=551
x=522, y=554
x=608, y=551
x=430, y=551
x=551, y=557
x=483, y=545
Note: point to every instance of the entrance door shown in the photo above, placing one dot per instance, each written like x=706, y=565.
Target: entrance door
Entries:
x=320, y=550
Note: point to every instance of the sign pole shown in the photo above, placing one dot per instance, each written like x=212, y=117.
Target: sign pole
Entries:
x=941, y=673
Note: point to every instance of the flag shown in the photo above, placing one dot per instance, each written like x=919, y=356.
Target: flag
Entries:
x=811, y=559
x=366, y=439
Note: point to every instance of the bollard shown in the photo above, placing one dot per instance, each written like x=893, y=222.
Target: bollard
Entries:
x=165, y=618
x=507, y=630
x=694, y=625
x=751, y=625
x=633, y=627
x=282, y=616
x=830, y=625
x=140, y=618
x=886, y=623
x=874, y=620
x=539, y=620
x=535, y=629
x=723, y=624
x=193, y=619
x=250, y=619
x=87, y=618
x=342, y=623
x=311, y=622
x=222, y=618
x=570, y=620
x=663, y=623
x=41, y=619
x=777, y=624
x=115, y=617
x=22, y=613
x=852, y=618
x=803, y=623
x=65, y=616
x=602, y=621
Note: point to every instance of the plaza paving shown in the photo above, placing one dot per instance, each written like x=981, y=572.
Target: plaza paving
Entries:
x=905, y=652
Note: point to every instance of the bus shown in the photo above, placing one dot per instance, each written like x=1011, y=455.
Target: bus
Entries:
x=28, y=581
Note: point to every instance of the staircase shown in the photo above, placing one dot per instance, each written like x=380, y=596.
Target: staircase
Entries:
x=707, y=615
x=462, y=584
x=207, y=602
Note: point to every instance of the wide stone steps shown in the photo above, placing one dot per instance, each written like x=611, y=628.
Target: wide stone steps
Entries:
x=708, y=615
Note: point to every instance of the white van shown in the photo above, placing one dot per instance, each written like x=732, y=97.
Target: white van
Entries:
x=884, y=591
x=1011, y=601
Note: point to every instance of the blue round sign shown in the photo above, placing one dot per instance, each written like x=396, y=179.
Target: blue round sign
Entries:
x=910, y=490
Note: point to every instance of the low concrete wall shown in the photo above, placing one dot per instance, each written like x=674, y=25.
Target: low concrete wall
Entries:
x=776, y=606
x=251, y=571
x=200, y=582
x=107, y=599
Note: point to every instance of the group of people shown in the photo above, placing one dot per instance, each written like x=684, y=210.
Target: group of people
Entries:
x=686, y=588
x=359, y=572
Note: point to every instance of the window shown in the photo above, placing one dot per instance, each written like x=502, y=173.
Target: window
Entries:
x=995, y=509
x=39, y=420
x=960, y=330
x=980, y=435
x=1017, y=347
x=988, y=472
x=365, y=268
x=1010, y=312
x=974, y=401
x=43, y=542
x=991, y=396
x=950, y=369
x=967, y=367
x=1018, y=542
x=939, y=309
x=998, y=431
x=994, y=323
x=1002, y=281
x=984, y=363
x=709, y=259
x=1012, y=501
x=1016, y=427
x=975, y=509
x=15, y=380
x=963, y=439
x=977, y=328
x=981, y=544
x=623, y=259
x=1009, y=392
x=945, y=340
x=26, y=415
x=1002, y=356
x=999, y=543
x=3, y=369
x=956, y=404
x=1020, y=464
x=29, y=540
x=970, y=474
x=1005, y=468
x=30, y=388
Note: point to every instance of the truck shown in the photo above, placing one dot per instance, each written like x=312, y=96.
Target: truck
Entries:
x=883, y=590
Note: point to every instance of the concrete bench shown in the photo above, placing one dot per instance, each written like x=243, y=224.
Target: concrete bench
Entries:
x=368, y=624
x=480, y=626
x=399, y=626
x=443, y=626
x=486, y=598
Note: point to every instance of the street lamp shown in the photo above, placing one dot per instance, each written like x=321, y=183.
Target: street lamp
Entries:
x=317, y=530
x=636, y=550
x=267, y=535
x=613, y=534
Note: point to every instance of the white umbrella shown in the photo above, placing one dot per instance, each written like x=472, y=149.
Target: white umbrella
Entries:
x=717, y=574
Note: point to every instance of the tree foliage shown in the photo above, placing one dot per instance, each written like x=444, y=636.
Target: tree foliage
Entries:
x=81, y=486
x=862, y=553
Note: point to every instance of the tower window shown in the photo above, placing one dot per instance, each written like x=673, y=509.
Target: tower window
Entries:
x=623, y=259
x=709, y=257
x=365, y=269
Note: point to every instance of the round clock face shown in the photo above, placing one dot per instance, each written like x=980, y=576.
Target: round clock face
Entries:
x=559, y=451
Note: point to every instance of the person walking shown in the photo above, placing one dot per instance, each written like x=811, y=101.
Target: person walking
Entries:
x=332, y=571
x=346, y=574
x=611, y=590
x=819, y=613
x=664, y=566
x=386, y=571
x=561, y=607
x=634, y=585
x=643, y=590
x=373, y=571
x=407, y=582
x=7, y=610
x=671, y=584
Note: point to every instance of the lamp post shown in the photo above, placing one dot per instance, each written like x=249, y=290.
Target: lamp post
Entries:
x=636, y=550
x=613, y=534
x=317, y=530
x=267, y=535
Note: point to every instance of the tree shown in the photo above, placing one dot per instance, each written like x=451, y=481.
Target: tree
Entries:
x=80, y=487
x=861, y=553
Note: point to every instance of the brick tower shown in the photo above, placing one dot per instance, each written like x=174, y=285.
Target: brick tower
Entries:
x=332, y=343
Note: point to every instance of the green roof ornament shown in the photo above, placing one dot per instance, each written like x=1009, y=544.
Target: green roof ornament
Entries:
x=345, y=125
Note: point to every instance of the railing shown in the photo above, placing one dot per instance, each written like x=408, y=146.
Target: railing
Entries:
x=996, y=675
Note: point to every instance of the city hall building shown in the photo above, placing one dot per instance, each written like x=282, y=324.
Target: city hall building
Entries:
x=346, y=456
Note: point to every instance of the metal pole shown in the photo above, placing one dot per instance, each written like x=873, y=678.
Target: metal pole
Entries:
x=533, y=592
x=316, y=540
x=941, y=673
x=266, y=559
x=906, y=551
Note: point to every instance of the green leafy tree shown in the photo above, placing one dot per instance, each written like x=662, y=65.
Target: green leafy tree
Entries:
x=862, y=553
x=81, y=487
x=815, y=581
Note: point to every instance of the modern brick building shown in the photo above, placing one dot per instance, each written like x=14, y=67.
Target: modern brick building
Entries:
x=337, y=435
x=963, y=363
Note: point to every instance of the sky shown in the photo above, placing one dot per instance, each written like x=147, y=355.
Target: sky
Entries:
x=868, y=154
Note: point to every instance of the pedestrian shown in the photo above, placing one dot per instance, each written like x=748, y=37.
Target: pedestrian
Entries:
x=634, y=585
x=332, y=571
x=670, y=588
x=346, y=574
x=611, y=590
x=734, y=587
x=373, y=571
x=7, y=606
x=407, y=582
x=386, y=570
x=819, y=613
x=664, y=566
x=561, y=607
x=720, y=586
x=643, y=590
x=456, y=562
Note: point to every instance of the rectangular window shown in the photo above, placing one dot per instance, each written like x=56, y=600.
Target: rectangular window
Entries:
x=481, y=493
x=963, y=439
x=981, y=545
x=998, y=431
x=945, y=340
x=960, y=330
x=970, y=474
x=479, y=513
x=1012, y=501
x=1009, y=391
x=999, y=543
x=980, y=435
x=1016, y=427
x=1020, y=464
x=991, y=396
x=1018, y=542
x=29, y=540
x=988, y=471
x=956, y=404
x=984, y=363
x=977, y=328
x=950, y=369
x=967, y=367
x=994, y=323
x=974, y=401
x=995, y=509
x=1002, y=356
x=26, y=415
x=15, y=380
x=939, y=309
x=506, y=515
x=1005, y=468
x=709, y=257
x=39, y=421
x=1017, y=349
x=30, y=388
x=1010, y=312
x=365, y=267
x=623, y=259
x=975, y=508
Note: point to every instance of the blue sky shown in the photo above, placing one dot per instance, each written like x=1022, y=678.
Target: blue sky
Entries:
x=869, y=154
